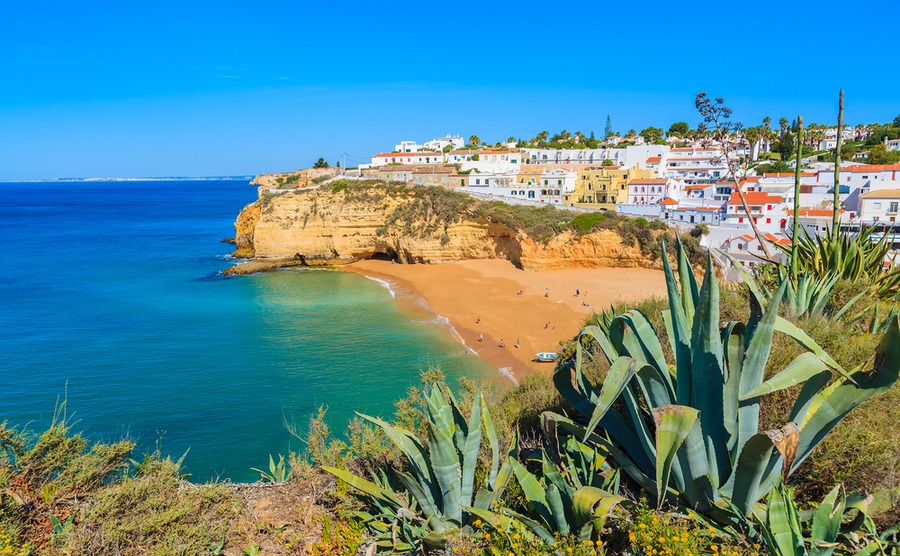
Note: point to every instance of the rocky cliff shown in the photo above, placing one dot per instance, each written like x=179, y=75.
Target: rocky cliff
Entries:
x=335, y=225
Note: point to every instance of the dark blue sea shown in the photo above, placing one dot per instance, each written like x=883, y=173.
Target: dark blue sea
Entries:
x=112, y=298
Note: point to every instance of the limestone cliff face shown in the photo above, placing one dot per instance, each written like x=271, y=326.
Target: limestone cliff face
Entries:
x=321, y=227
x=600, y=249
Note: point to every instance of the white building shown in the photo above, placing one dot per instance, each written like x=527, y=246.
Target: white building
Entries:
x=423, y=157
x=649, y=191
x=453, y=141
x=549, y=188
x=879, y=206
x=892, y=144
x=696, y=165
x=408, y=147
x=768, y=211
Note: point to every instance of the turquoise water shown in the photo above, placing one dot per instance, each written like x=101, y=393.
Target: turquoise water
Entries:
x=114, y=288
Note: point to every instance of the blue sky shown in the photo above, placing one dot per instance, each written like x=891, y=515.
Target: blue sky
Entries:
x=219, y=88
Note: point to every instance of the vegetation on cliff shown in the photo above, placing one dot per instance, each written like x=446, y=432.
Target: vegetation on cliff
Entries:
x=404, y=213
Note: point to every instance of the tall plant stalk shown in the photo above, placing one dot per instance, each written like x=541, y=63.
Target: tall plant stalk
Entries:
x=794, y=234
x=835, y=219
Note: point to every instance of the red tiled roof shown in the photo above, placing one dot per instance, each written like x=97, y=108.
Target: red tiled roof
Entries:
x=668, y=201
x=654, y=159
x=814, y=212
x=872, y=168
x=754, y=198
x=788, y=175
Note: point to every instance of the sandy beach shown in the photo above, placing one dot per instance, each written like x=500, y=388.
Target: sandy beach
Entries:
x=481, y=297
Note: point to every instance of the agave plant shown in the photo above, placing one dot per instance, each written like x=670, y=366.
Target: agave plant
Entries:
x=841, y=520
x=809, y=296
x=852, y=257
x=688, y=432
x=432, y=495
x=574, y=493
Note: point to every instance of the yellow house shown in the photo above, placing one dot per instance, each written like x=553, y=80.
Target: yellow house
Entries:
x=603, y=187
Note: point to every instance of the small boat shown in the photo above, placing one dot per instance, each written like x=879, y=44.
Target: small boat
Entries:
x=547, y=356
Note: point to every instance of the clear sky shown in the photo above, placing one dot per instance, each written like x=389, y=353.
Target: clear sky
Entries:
x=194, y=88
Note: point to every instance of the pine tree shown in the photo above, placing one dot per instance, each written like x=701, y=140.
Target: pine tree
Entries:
x=608, y=130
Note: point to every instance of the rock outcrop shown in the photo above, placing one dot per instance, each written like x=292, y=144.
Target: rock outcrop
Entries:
x=331, y=226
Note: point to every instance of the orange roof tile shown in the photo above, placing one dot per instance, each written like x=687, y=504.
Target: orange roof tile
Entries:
x=754, y=198
x=814, y=212
x=668, y=201
x=654, y=159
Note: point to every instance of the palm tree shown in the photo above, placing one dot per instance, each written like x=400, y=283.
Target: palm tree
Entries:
x=474, y=140
x=783, y=122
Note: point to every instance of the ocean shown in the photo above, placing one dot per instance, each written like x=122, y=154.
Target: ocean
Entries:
x=112, y=298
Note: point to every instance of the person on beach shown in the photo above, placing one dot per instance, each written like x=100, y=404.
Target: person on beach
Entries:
x=477, y=320
x=577, y=293
x=517, y=343
x=546, y=326
x=502, y=343
x=481, y=337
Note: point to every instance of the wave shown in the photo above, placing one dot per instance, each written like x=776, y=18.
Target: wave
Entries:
x=507, y=372
x=385, y=284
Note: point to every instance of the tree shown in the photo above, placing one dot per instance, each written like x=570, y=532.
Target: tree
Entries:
x=608, y=130
x=320, y=163
x=447, y=148
x=783, y=123
x=717, y=121
x=510, y=139
x=608, y=162
x=652, y=134
x=679, y=129
x=848, y=151
x=474, y=140
x=897, y=121
x=880, y=155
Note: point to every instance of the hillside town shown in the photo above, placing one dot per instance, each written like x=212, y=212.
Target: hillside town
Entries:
x=685, y=178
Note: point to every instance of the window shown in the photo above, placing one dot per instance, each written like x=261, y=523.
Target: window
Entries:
x=768, y=220
x=741, y=219
x=770, y=207
x=531, y=194
x=893, y=207
x=876, y=205
x=558, y=182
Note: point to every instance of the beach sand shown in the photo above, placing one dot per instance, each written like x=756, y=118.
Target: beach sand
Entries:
x=480, y=297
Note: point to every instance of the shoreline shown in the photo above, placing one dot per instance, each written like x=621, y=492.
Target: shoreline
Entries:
x=481, y=298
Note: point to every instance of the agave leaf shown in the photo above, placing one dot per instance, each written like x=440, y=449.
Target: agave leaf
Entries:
x=708, y=378
x=783, y=523
x=365, y=486
x=673, y=423
x=445, y=464
x=411, y=448
x=593, y=505
x=802, y=338
x=748, y=474
x=798, y=371
x=491, y=433
x=642, y=343
x=427, y=503
x=734, y=358
x=827, y=523
x=557, y=509
x=690, y=296
x=753, y=367
x=847, y=305
x=623, y=459
x=833, y=404
x=470, y=453
x=680, y=335
x=534, y=492
x=617, y=378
